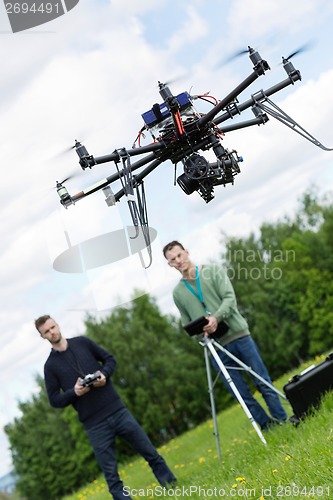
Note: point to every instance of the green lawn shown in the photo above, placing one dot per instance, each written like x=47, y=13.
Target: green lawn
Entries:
x=295, y=463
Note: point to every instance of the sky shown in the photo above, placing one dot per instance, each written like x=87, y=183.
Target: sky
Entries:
x=89, y=75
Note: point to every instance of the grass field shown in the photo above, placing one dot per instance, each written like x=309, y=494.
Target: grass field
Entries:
x=296, y=462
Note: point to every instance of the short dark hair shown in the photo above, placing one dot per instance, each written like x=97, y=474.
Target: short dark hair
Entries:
x=41, y=320
x=170, y=246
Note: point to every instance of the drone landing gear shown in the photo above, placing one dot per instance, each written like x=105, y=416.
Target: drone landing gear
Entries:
x=273, y=109
x=136, y=200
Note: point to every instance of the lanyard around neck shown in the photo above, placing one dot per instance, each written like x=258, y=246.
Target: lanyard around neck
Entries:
x=197, y=293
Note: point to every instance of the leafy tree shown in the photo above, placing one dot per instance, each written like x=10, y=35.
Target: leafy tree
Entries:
x=283, y=280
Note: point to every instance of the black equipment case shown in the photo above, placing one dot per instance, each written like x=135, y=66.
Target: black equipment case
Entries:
x=305, y=391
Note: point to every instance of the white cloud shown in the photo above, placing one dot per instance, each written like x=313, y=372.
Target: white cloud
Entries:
x=275, y=18
x=193, y=29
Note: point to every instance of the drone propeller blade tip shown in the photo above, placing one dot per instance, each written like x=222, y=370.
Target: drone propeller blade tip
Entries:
x=68, y=178
x=235, y=55
x=303, y=48
x=174, y=80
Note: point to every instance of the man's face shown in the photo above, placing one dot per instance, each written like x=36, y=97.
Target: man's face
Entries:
x=178, y=258
x=50, y=331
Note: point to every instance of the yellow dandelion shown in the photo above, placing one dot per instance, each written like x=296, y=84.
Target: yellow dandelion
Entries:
x=275, y=471
x=241, y=480
x=287, y=457
x=234, y=485
x=201, y=459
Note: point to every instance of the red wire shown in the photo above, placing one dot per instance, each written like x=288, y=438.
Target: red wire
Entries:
x=206, y=97
x=179, y=123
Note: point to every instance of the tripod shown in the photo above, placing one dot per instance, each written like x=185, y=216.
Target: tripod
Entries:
x=210, y=346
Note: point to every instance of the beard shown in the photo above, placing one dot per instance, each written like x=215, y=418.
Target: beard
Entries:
x=56, y=340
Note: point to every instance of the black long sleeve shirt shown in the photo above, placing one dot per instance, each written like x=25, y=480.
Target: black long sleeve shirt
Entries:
x=61, y=370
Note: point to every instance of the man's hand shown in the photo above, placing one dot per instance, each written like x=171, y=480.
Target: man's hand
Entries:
x=79, y=389
x=211, y=326
x=101, y=381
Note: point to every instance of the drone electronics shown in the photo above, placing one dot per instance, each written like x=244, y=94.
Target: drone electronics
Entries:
x=179, y=132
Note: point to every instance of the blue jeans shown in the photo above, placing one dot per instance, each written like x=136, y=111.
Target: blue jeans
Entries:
x=102, y=438
x=246, y=351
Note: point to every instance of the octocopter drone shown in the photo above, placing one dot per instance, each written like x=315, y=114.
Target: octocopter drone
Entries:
x=179, y=132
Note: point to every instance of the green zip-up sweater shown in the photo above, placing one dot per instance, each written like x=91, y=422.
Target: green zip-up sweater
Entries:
x=219, y=298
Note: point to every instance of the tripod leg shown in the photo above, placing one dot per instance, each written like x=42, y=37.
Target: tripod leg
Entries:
x=212, y=402
x=248, y=368
x=208, y=343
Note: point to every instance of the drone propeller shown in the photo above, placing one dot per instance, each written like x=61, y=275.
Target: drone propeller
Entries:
x=175, y=79
x=68, y=178
x=240, y=53
x=63, y=152
x=66, y=150
x=301, y=49
x=65, y=180
x=234, y=56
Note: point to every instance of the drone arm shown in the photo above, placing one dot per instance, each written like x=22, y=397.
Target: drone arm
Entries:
x=254, y=100
x=227, y=100
x=259, y=120
x=88, y=161
x=259, y=68
x=109, y=180
x=130, y=152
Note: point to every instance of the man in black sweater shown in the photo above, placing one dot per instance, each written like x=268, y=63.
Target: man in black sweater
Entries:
x=98, y=404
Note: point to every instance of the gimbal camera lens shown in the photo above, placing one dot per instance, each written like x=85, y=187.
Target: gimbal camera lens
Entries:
x=188, y=185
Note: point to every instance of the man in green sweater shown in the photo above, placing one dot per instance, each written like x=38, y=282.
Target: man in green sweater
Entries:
x=207, y=291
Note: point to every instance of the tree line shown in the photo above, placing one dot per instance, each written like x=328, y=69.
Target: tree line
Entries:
x=283, y=281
